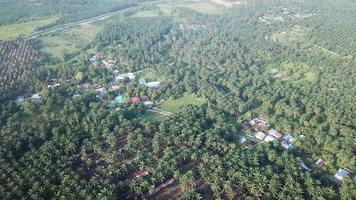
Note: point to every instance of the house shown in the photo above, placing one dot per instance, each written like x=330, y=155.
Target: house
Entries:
x=260, y=135
x=100, y=89
x=36, y=98
x=141, y=174
x=20, y=100
x=275, y=133
x=242, y=139
x=131, y=76
x=260, y=126
x=142, y=81
x=148, y=104
x=287, y=141
x=153, y=84
x=99, y=54
x=120, y=99
x=304, y=166
x=269, y=138
x=320, y=164
x=245, y=126
x=53, y=83
x=109, y=63
x=342, y=173
x=257, y=120
x=135, y=100
x=114, y=88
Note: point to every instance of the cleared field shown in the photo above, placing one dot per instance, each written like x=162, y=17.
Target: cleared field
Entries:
x=296, y=34
x=13, y=31
x=146, y=13
x=205, y=7
x=70, y=40
x=151, y=116
x=176, y=104
x=297, y=73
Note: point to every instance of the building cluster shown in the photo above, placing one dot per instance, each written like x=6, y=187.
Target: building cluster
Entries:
x=34, y=98
x=259, y=126
x=286, y=14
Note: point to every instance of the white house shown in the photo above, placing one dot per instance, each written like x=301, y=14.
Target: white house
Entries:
x=269, y=138
x=260, y=135
x=342, y=173
x=36, y=98
x=154, y=84
x=275, y=133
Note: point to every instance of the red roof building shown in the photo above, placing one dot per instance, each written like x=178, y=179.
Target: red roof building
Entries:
x=320, y=164
x=145, y=98
x=245, y=126
x=99, y=54
x=135, y=100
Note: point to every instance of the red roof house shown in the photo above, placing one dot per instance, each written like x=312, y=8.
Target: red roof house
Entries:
x=99, y=54
x=320, y=164
x=135, y=100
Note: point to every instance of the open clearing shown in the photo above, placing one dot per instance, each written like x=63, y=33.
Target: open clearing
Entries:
x=204, y=7
x=151, y=116
x=13, y=31
x=296, y=34
x=146, y=13
x=297, y=73
x=227, y=4
x=70, y=40
x=176, y=104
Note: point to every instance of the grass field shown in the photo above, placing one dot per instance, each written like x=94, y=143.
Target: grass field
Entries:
x=296, y=34
x=176, y=104
x=151, y=116
x=202, y=6
x=145, y=13
x=13, y=31
x=297, y=73
x=70, y=40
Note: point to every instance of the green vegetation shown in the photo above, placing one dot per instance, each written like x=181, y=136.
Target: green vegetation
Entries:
x=218, y=70
x=151, y=116
x=70, y=40
x=297, y=73
x=14, y=31
x=176, y=104
x=294, y=35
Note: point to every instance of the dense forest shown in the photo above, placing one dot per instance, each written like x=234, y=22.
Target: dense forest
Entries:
x=283, y=61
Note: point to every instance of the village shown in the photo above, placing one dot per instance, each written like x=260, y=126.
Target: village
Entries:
x=261, y=133
x=120, y=101
x=285, y=15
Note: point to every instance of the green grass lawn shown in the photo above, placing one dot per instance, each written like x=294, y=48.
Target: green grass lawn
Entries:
x=176, y=104
x=70, y=40
x=145, y=13
x=202, y=6
x=13, y=31
x=151, y=116
x=294, y=72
